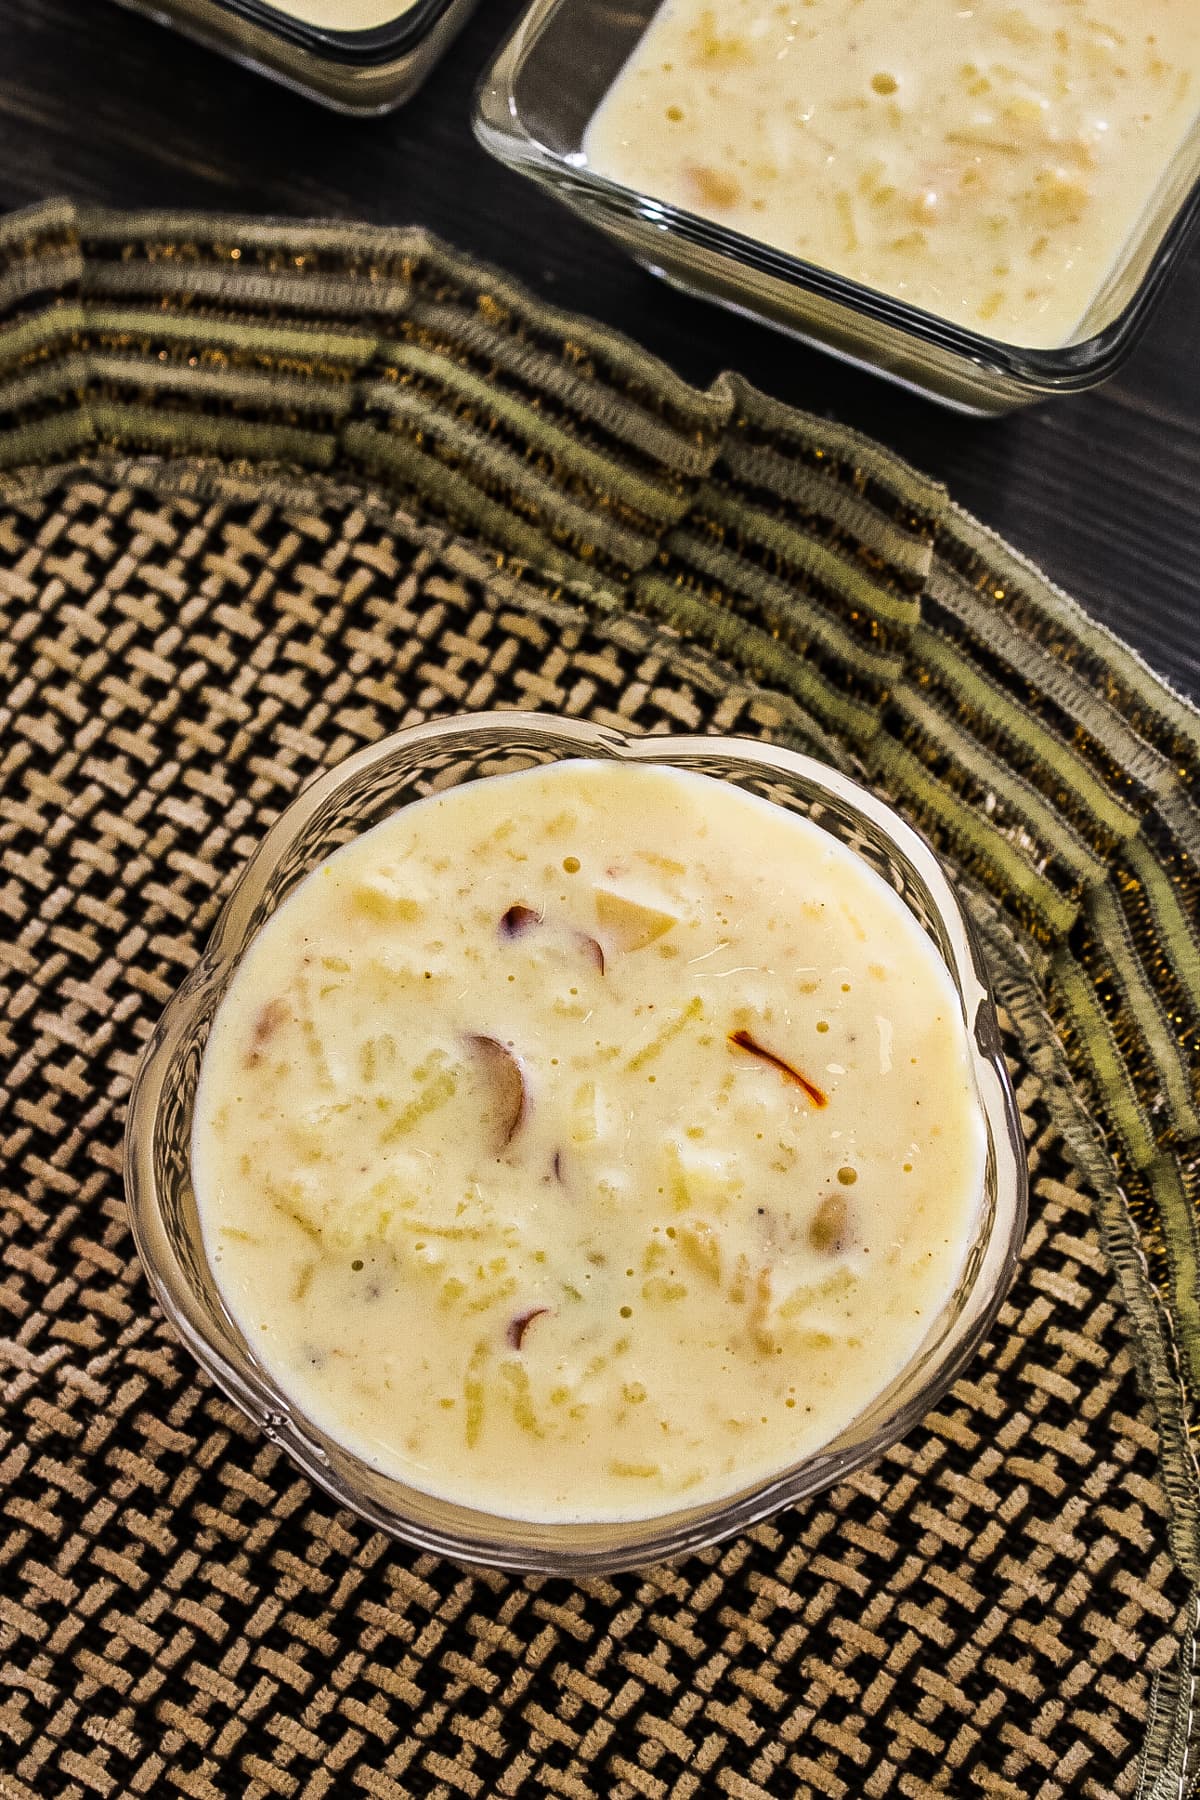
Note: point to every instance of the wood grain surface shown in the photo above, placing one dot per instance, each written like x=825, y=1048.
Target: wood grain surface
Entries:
x=1102, y=490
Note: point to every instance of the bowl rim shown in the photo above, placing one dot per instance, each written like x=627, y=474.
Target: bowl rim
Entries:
x=1068, y=368
x=662, y=1536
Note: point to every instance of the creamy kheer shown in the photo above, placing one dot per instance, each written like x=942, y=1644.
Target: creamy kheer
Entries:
x=588, y=1141
x=983, y=161
x=343, y=15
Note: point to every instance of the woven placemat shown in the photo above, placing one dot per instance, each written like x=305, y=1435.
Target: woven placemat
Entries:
x=272, y=492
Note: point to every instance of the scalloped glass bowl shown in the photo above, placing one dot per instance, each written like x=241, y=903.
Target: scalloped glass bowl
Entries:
x=533, y=109
x=341, y=805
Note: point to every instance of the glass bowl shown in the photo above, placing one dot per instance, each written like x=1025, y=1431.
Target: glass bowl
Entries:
x=371, y=68
x=340, y=805
x=533, y=109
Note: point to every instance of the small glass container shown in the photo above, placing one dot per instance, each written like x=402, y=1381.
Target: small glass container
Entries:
x=371, y=61
x=339, y=806
x=534, y=107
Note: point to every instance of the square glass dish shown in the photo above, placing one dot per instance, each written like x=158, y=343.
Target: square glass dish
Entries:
x=340, y=806
x=356, y=56
x=533, y=110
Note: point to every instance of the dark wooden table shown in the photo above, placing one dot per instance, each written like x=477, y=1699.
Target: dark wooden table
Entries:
x=1102, y=490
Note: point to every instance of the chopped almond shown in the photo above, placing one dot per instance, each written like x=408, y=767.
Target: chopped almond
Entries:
x=592, y=950
x=518, y=919
x=521, y=918
x=510, y=1094
x=518, y=1326
x=630, y=924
